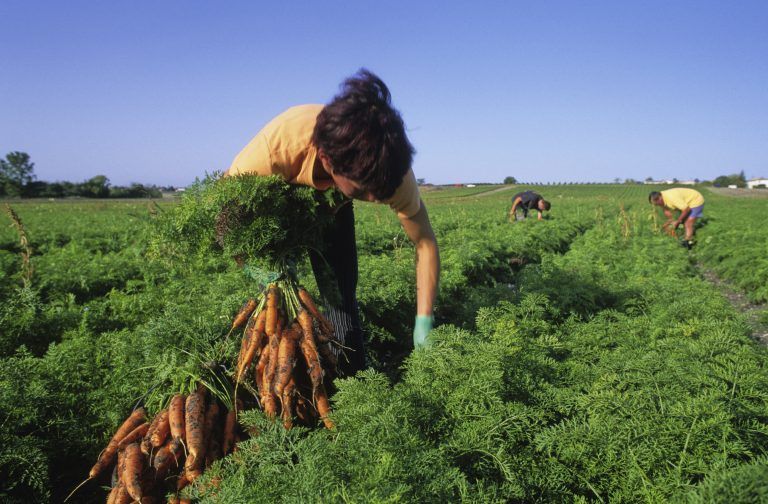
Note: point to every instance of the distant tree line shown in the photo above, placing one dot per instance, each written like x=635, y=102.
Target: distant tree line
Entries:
x=17, y=179
x=737, y=179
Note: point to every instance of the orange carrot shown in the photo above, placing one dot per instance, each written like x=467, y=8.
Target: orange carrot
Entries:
x=194, y=422
x=273, y=299
x=326, y=328
x=287, y=400
x=166, y=457
x=254, y=344
x=309, y=350
x=120, y=465
x=146, y=443
x=182, y=482
x=108, y=455
x=247, y=333
x=134, y=436
x=134, y=465
x=122, y=496
x=211, y=432
x=113, y=494
x=176, y=416
x=244, y=313
x=230, y=425
x=260, y=369
x=286, y=359
x=162, y=429
x=268, y=400
x=323, y=408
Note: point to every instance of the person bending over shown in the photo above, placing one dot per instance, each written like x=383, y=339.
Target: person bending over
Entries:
x=356, y=143
x=690, y=204
x=526, y=201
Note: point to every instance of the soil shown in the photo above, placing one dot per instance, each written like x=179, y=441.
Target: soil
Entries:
x=740, y=193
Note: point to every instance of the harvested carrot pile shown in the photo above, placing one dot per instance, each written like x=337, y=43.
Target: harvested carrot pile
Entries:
x=150, y=459
x=284, y=360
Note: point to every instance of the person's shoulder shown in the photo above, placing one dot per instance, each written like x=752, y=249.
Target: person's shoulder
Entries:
x=302, y=111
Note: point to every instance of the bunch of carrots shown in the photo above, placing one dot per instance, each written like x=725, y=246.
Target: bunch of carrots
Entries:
x=150, y=459
x=286, y=353
x=288, y=363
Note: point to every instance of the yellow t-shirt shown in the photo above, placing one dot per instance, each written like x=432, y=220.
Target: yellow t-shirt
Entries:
x=681, y=198
x=284, y=147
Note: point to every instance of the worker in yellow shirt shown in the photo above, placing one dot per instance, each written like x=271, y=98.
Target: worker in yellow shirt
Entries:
x=356, y=143
x=690, y=204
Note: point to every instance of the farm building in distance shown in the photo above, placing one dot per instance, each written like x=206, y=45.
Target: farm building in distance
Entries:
x=757, y=182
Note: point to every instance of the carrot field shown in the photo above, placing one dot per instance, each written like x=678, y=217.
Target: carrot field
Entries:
x=583, y=358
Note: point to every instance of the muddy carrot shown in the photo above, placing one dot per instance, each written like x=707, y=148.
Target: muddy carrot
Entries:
x=230, y=426
x=268, y=401
x=134, y=465
x=134, y=436
x=162, y=429
x=108, y=455
x=254, y=344
x=167, y=457
x=244, y=313
x=326, y=328
x=286, y=359
x=146, y=442
x=273, y=300
x=176, y=416
x=194, y=421
x=323, y=407
x=309, y=350
x=287, y=398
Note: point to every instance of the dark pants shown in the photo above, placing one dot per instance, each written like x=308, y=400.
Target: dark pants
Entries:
x=340, y=255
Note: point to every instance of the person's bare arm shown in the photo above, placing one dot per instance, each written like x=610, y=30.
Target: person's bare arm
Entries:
x=669, y=216
x=419, y=231
x=515, y=204
x=540, y=216
x=682, y=217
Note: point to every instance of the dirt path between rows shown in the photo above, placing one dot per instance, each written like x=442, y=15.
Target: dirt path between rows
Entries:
x=740, y=302
x=498, y=189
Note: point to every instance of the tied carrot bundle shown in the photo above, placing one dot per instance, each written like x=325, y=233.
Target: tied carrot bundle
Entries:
x=294, y=347
x=143, y=472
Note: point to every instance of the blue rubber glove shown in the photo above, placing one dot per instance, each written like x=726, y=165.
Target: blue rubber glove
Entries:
x=421, y=329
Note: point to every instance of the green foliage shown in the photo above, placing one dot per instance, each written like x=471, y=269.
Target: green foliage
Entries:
x=579, y=359
x=735, y=244
x=247, y=217
x=16, y=171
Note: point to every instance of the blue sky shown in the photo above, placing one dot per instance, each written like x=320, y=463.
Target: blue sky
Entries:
x=161, y=92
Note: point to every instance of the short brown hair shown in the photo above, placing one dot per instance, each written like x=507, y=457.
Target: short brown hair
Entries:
x=547, y=205
x=364, y=136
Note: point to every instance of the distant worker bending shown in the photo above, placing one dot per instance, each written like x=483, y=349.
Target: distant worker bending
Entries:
x=689, y=202
x=525, y=201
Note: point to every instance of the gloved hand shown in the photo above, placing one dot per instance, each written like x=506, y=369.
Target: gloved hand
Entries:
x=421, y=328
